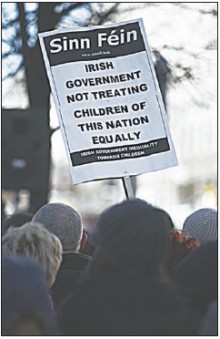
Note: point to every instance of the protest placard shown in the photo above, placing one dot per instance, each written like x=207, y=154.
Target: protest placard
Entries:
x=108, y=100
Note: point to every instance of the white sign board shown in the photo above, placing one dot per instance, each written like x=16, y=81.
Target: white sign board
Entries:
x=108, y=101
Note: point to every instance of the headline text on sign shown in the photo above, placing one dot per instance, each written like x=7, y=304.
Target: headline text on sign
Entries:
x=89, y=112
x=92, y=44
x=112, y=39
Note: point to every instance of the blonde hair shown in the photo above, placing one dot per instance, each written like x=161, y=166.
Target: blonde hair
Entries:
x=33, y=241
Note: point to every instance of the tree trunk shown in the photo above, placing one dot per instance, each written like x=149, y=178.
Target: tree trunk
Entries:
x=39, y=92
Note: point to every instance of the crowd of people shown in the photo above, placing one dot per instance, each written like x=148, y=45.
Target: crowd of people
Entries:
x=139, y=275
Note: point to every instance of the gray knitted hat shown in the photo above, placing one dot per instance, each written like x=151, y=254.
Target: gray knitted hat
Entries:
x=202, y=224
x=63, y=221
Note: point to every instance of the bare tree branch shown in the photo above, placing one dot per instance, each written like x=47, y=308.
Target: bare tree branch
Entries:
x=13, y=73
x=202, y=11
x=8, y=24
x=101, y=17
x=71, y=7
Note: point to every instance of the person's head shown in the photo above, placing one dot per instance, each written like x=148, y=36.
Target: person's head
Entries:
x=132, y=235
x=179, y=245
x=202, y=224
x=26, y=308
x=33, y=241
x=197, y=276
x=16, y=220
x=63, y=221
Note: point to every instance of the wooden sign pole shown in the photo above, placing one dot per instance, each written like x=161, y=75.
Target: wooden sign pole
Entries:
x=128, y=188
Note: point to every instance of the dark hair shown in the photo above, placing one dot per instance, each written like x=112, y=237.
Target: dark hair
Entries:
x=26, y=303
x=132, y=235
x=197, y=276
x=16, y=220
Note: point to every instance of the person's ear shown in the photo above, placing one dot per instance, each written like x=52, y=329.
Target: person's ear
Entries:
x=83, y=240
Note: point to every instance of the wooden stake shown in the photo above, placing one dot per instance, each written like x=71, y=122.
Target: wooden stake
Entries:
x=128, y=188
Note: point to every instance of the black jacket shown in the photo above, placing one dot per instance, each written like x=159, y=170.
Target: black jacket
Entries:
x=68, y=276
x=118, y=304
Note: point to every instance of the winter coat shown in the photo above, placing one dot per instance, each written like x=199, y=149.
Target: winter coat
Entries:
x=68, y=276
x=128, y=304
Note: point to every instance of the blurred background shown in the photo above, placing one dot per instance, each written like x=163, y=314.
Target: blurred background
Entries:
x=183, y=40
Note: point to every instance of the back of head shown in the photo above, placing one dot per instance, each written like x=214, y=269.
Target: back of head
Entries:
x=133, y=235
x=26, y=309
x=197, y=275
x=63, y=221
x=202, y=224
x=33, y=241
x=16, y=220
x=179, y=246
